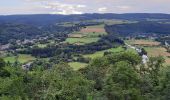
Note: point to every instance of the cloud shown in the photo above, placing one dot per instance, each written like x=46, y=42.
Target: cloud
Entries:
x=62, y=8
x=83, y=6
x=123, y=7
x=102, y=9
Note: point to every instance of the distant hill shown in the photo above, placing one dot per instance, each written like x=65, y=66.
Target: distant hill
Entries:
x=138, y=28
x=45, y=19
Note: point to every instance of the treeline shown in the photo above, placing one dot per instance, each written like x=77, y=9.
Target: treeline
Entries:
x=138, y=28
x=117, y=76
x=45, y=19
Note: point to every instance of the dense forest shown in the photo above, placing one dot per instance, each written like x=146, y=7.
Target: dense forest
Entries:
x=147, y=27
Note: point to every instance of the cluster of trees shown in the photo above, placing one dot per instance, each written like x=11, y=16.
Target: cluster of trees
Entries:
x=123, y=77
x=119, y=76
x=58, y=83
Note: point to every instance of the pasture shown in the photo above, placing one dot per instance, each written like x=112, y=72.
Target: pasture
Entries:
x=81, y=41
x=143, y=42
x=86, y=35
x=159, y=51
x=22, y=58
x=101, y=53
x=153, y=48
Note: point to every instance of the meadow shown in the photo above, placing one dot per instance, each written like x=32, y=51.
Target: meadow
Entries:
x=142, y=42
x=101, y=53
x=81, y=41
x=86, y=35
x=22, y=58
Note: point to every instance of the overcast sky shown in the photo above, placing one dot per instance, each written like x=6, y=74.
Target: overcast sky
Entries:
x=8, y=7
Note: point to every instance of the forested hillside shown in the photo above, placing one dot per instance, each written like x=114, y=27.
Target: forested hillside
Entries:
x=147, y=27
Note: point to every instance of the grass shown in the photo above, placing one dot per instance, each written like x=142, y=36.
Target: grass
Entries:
x=84, y=40
x=159, y=51
x=42, y=45
x=22, y=58
x=146, y=42
x=77, y=65
x=101, y=53
x=89, y=34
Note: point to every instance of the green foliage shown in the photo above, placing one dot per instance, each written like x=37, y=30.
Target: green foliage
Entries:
x=122, y=82
x=163, y=89
x=121, y=76
x=62, y=83
x=2, y=63
x=58, y=83
x=130, y=57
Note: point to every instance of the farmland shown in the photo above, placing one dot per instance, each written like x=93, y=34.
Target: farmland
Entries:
x=101, y=53
x=86, y=35
x=81, y=41
x=153, y=48
x=143, y=42
x=79, y=65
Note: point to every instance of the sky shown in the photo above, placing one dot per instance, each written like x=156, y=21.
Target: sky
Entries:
x=9, y=7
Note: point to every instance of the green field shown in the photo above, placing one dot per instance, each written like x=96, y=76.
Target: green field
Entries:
x=89, y=34
x=81, y=41
x=101, y=53
x=22, y=58
x=42, y=45
x=77, y=65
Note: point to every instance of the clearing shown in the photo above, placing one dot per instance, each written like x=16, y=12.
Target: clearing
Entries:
x=77, y=65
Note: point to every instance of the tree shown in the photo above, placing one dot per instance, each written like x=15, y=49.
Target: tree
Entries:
x=62, y=83
x=162, y=91
x=2, y=63
x=122, y=82
x=3, y=71
x=154, y=66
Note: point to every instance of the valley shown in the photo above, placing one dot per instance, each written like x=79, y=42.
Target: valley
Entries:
x=85, y=57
